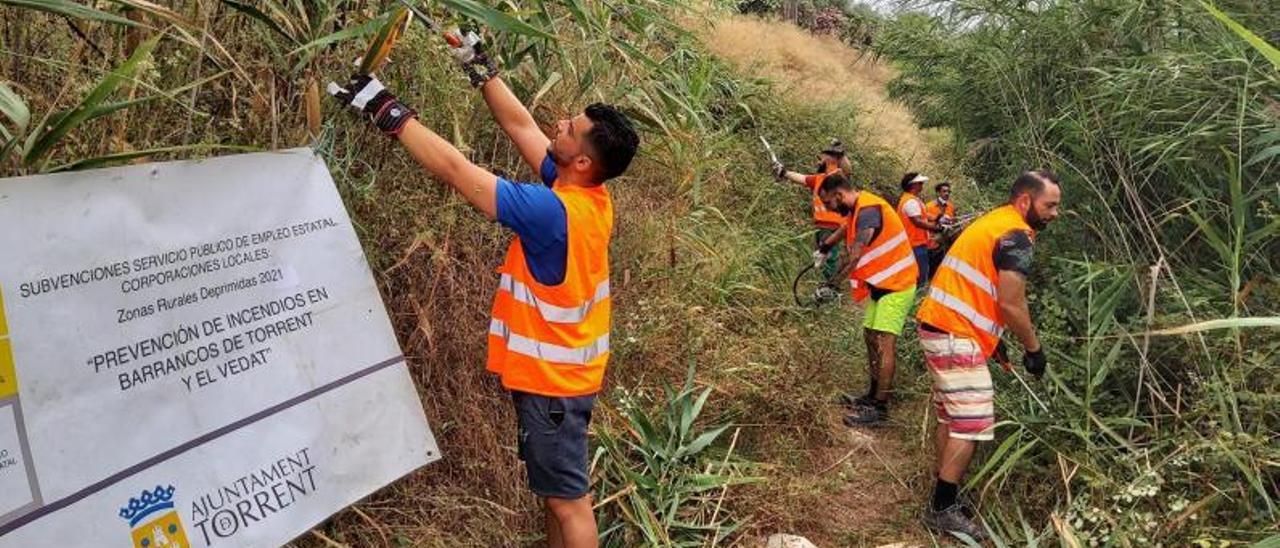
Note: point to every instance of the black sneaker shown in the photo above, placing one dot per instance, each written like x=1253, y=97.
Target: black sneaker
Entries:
x=951, y=521
x=871, y=415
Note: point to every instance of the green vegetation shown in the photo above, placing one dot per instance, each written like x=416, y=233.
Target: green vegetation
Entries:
x=1162, y=116
x=702, y=258
x=1163, y=123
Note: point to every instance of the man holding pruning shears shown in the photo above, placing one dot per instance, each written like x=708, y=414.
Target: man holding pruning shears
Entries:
x=549, y=329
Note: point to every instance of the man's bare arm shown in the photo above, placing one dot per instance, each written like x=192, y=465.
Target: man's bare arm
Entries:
x=437, y=156
x=516, y=122
x=850, y=263
x=794, y=177
x=1011, y=294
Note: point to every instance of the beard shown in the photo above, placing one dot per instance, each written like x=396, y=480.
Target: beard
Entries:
x=1036, y=222
x=844, y=210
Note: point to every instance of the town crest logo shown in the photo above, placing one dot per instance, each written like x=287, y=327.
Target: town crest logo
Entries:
x=154, y=521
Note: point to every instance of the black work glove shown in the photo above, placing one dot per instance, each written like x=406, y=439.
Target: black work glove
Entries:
x=779, y=170
x=471, y=55
x=365, y=93
x=1035, y=362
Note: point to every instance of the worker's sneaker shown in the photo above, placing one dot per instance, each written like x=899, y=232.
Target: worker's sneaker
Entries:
x=952, y=520
x=871, y=415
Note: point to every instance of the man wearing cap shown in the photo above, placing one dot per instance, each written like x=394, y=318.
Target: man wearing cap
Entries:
x=831, y=160
x=911, y=210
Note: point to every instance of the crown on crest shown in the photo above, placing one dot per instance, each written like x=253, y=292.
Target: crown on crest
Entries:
x=160, y=498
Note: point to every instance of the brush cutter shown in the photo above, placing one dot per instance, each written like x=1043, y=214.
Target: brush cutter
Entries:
x=810, y=289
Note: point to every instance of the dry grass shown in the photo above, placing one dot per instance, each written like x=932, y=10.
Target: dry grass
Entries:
x=811, y=68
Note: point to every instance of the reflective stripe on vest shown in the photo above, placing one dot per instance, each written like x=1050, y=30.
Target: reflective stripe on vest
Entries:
x=881, y=249
x=887, y=262
x=970, y=273
x=553, y=340
x=892, y=269
x=963, y=297
x=582, y=355
x=959, y=307
x=551, y=312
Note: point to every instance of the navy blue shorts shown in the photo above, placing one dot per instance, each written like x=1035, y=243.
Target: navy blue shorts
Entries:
x=553, y=443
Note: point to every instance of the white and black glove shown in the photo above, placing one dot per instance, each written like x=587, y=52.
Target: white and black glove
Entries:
x=471, y=55
x=366, y=94
x=779, y=170
x=819, y=257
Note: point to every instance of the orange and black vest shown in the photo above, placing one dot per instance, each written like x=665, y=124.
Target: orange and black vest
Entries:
x=962, y=296
x=554, y=340
x=916, y=236
x=886, y=262
x=934, y=212
x=822, y=217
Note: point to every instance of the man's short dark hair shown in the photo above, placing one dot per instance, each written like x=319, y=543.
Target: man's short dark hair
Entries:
x=938, y=187
x=612, y=139
x=1032, y=183
x=835, y=181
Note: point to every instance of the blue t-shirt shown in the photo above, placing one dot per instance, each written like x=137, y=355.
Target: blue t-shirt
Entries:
x=537, y=216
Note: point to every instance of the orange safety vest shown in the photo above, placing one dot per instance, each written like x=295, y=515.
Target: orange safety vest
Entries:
x=554, y=340
x=823, y=217
x=886, y=262
x=935, y=212
x=915, y=235
x=962, y=296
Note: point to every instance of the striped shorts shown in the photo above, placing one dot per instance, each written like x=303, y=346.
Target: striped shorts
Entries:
x=962, y=389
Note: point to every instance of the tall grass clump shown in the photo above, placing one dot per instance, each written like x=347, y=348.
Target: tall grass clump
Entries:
x=1157, y=291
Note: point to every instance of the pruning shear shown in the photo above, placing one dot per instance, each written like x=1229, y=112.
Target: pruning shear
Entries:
x=453, y=39
x=1002, y=357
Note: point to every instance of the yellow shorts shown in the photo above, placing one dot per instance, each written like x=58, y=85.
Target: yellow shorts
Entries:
x=888, y=314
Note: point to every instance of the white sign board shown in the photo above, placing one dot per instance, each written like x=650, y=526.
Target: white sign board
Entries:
x=192, y=354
